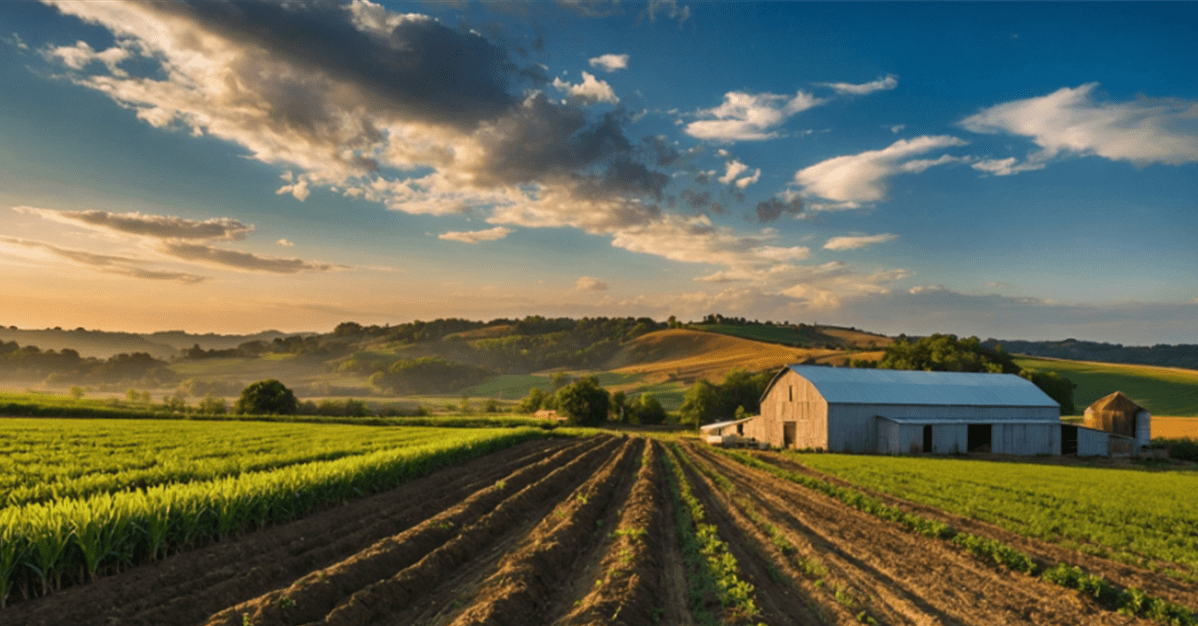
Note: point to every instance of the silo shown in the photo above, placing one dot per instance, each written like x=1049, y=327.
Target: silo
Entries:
x=1143, y=430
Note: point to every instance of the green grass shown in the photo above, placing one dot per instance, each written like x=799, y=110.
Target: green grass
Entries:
x=508, y=386
x=785, y=335
x=1132, y=516
x=1161, y=391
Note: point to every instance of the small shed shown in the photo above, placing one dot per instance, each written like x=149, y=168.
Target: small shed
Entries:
x=1118, y=414
x=730, y=433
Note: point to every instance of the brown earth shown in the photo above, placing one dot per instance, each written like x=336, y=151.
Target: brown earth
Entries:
x=581, y=532
x=688, y=355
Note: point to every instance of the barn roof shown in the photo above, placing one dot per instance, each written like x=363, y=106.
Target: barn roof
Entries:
x=1115, y=403
x=841, y=385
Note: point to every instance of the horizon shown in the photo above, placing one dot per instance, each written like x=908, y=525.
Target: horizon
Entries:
x=1014, y=171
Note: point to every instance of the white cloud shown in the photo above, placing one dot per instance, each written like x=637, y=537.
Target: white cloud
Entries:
x=82, y=54
x=105, y=263
x=857, y=242
x=749, y=180
x=587, y=283
x=749, y=117
x=589, y=91
x=864, y=177
x=610, y=62
x=732, y=169
x=1008, y=166
x=849, y=89
x=285, y=243
x=476, y=236
x=1142, y=131
x=897, y=127
x=669, y=8
x=298, y=189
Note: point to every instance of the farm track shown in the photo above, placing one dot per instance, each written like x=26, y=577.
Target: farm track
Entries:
x=577, y=533
x=1124, y=575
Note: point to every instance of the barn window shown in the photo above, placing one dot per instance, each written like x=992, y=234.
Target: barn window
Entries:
x=792, y=393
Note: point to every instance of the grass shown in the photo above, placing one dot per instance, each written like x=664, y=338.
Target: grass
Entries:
x=1163, y=391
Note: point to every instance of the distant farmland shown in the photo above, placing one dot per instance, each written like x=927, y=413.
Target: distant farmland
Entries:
x=1161, y=390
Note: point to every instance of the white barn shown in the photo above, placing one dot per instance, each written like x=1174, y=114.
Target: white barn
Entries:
x=901, y=412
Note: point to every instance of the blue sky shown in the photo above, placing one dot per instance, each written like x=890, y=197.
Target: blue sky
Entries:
x=1011, y=170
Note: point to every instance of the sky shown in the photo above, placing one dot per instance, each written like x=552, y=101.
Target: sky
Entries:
x=1008, y=170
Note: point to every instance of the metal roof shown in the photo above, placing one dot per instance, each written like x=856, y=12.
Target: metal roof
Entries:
x=843, y=385
x=719, y=425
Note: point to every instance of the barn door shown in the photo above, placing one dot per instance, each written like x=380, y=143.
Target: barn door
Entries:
x=788, y=434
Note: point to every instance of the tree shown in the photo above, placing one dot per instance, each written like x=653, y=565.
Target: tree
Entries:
x=1056, y=386
x=646, y=410
x=267, y=397
x=619, y=406
x=212, y=405
x=584, y=402
x=533, y=402
x=700, y=404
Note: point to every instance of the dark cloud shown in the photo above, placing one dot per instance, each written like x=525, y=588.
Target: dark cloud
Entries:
x=235, y=259
x=717, y=208
x=695, y=199
x=772, y=209
x=659, y=152
x=418, y=66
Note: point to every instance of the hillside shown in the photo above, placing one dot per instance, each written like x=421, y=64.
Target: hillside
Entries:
x=1161, y=390
x=104, y=344
x=801, y=336
x=688, y=355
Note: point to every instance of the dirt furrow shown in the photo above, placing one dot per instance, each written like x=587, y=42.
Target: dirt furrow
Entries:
x=188, y=587
x=530, y=576
x=781, y=600
x=1122, y=574
x=953, y=584
x=843, y=578
x=388, y=596
x=629, y=569
x=315, y=594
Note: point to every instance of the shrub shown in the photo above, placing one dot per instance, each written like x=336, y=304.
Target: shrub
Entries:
x=267, y=397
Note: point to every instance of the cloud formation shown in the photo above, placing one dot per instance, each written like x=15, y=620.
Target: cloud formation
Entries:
x=476, y=236
x=865, y=177
x=732, y=174
x=857, y=242
x=749, y=117
x=158, y=226
x=238, y=260
x=1072, y=120
x=849, y=89
x=610, y=62
x=106, y=263
x=587, y=283
x=589, y=91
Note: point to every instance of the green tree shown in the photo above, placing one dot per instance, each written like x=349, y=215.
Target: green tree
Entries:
x=584, y=402
x=212, y=405
x=700, y=404
x=619, y=406
x=533, y=402
x=646, y=410
x=1056, y=386
x=267, y=397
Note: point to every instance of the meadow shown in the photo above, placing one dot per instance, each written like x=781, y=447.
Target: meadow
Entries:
x=1161, y=390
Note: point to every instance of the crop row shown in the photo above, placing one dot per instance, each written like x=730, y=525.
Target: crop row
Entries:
x=712, y=567
x=44, y=460
x=1130, y=601
x=80, y=538
x=1132, y=516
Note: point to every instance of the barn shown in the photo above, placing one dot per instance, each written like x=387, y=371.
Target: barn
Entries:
x=901, y=412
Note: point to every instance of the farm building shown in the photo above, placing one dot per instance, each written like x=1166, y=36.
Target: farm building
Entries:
x=1123, y=418
x=900, y=412
x=730, y=433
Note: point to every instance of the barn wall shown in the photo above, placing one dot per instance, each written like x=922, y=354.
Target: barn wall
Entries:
x=1026, y=439
x=949, y=438
x=853, y=427
x=807, y=410
x=1092, y=442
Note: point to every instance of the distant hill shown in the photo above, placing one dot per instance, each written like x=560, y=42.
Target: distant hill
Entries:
x=801, y=335
x=1161, y=390
x=687, y=355
x=104, y=344
x=1184, y=355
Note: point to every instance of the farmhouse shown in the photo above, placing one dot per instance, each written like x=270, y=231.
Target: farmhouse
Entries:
x=900, y=412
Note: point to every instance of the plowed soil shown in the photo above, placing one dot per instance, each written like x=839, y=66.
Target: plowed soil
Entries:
x=580, y=532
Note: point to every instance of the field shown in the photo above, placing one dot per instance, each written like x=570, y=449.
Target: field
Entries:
x=1161, y=390
x=610, y=529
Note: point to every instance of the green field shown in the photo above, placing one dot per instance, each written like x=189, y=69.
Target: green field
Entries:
x=1135, y=516
x=1163, y=391
x=160, y=486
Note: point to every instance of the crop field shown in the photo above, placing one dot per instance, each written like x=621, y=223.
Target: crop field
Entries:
x=605, y=529
x=1145, y=518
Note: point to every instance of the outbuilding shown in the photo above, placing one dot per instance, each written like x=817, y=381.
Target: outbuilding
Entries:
x=901, y=412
